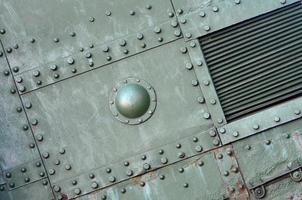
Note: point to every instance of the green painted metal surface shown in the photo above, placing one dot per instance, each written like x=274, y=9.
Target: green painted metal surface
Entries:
x=116, y=100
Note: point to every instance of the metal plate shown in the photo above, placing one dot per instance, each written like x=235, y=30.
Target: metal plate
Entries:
x=189, y=178
x=201, y=17
x=76, y=25
x=277, y=151
x=35, y=191
x=92, y=137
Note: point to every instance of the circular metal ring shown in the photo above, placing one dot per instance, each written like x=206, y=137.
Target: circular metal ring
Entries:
x=296, y=175
x=259, y=192
x=132, y=101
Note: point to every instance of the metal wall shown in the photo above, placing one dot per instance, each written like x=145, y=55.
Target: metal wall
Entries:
x=62, y=136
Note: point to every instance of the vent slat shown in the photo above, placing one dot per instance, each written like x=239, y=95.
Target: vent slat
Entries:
x=257, y=63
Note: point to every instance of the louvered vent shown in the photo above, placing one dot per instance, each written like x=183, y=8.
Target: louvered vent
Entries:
x=257, y=63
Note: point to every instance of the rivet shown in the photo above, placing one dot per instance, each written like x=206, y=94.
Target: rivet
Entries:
x=188, y=35
x=164, y=160
x=19, y=79
x=56, y=188
x=108, y=58
x=216, y=142
x=32, y=145
x=277, y=119
x=129, y=172
x=42, y=174
x=122, y=43
x=179, y=11
x=198, y=148
x=16, y=46
x=202, y=14
x=39, y=138
x=206, y=28
x=160, y=39
x=235, y=133
x=25, y=127
x=15, y=69
x=45, y=182
x=77, y=191
x=206, y=82
x=297, y=112
x=143, y=157
x=177, y=33
x=108, y=12
x=181, y=155
x=8, y=175
x=161, y=151
x=126, y=163
x=199, y=63
x=183, y=21
x=91, y=19
x=200, y=100
x=74, y=70
x=38, y=164
x=237, y=1
x=248, y=147
x=32, y=40
x=91, y=46
x=170, y=14
x=235, y=169
x=72, y=34
x=68, y=167
x=11, y=185
x=215, y=9
x=2, y=31
x=9, y=50
x=132, y=12
x=146, y=166
x=125, y=51
x=162, y=177
x=200, y=163
x=229, y=151
x=220, y=156
x=178, y=146
x=26, y=179
x=74, y=182
x=206, y=115
x=81, y=49
x=53, y=67
x=213, y=101
x=192, y=44
x=91, y=64
x=195, y=139
x=267, y=142
x=88, y=55
x=28, y=105
x=174, y=23
x=148, y=7
x=181, y=170
x=226, y=173
x=1, y=53
x=94, y=185
x=256, y=127
x=140, y=36
x=39, y=82
x=183, y=50
x=186, y=185
x=105, y=49
x=108, y=170
x=19, y=109
x=62, y=151
x=2, y=188
x=104, y=197
x=142, y=184
x=286, y=135
x=70, y=61
x=212, y=133
x=222, y=130
x=56, y=76
x=112, y=179
x=56, y=40
x=282, y=1
x=123, y=190
x=57, y=162
x=36, y=73
x=51, y=171
x=157, y=29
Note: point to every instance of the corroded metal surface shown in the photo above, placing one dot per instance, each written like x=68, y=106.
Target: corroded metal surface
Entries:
x=108, y=100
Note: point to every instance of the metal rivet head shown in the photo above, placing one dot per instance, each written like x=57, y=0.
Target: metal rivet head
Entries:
x=200, y=100
x=157, y=29
x=183, y=21
x=189, y=66
x=53, y=67
x=91, y=175
x=235, y=169
x=206, y=115
x=42, y=174
x=108, y=58
x=91, y=19
x=51, y=171
x=74, y=70
x=267, y=142
x=62, y=151
x=202, y=14
x=32, y=145
x=56, y=76
x=178, y=146
x=123, y=190
x=277, y=119
x=198, y=148
x=77, y=191
x=161, y=151
x=256, y=127
x=25, y=127
x=56, y=40
x=186, y=185
x=88, y=55
x=181, y=155
x=68, y=167
x=2, y=31
x=222, y=130
x=6, y=72
x=179, y=11
x=212, y=133
x=94, y=185
x=143, y=157
x=192, y=44
x=140, y=36
x=282, y=1
x=146, y=166
x=72, y=34
x=108, y=12
x=162, y=177
x=112, y=179
x=220, y=156
x=248, y=147
x=177, y=33
x=57, y=162
x=195, y=82
x=126, y=163
x=226, y=173
x=38, y=164
x=122, y=43
x=32, y=40
x=45, y=155
x=206, y=82
x=26, y=179
x=9, y=50
x=237, y=1
x=132, y=12
x=216, y=142
x=164, y=160
x=15, y=69
x=229, y=151
x=148, y=7
x=207, y=28
x=215, y=9
x=183, y=50
x=74, y=182
x=8, y=175
x=70, y=61
x=200, y=163
x=195, y=139
x=39, y=138
x=108, y=170
x=129, y=172
x=297, y=112
x=235, y=133
x=36, y=73
x=142, y=184
x=11, y=185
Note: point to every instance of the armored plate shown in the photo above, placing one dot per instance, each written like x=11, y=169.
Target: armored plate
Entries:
x=152, y=100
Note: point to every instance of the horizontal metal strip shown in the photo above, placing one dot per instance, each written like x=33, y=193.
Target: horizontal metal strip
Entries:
x=262, y=83
x=255, y=47
x=271, y=98
x=259, y=32
x=257, y=65
x=247, y=26
x=274, y=63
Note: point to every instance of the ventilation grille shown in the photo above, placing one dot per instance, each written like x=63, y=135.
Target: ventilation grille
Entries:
x=257, y=63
